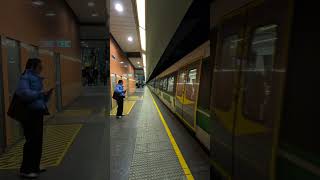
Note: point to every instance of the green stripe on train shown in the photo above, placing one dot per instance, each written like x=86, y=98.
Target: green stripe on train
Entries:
x=203, y=119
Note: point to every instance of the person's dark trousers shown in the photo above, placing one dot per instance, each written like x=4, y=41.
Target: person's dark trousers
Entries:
x=120, y=106
x=32, y=150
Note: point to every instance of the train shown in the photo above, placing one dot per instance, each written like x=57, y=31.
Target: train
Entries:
x=247, y=92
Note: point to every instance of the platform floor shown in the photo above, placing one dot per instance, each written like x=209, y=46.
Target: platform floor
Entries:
x=83, y=153
x=142, y=144
x=143, y=148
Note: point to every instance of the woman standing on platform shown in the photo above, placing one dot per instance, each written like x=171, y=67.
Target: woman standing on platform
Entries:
x=120, y=95
x=30, y=92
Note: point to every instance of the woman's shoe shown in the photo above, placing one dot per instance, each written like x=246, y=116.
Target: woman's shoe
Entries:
x=119, y=117
x=29, y=175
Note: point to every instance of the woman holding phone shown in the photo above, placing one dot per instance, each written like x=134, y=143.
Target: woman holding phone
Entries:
x=30, y=91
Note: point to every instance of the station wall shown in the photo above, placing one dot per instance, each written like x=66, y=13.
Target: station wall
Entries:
x=121, y=68
x=29, y=27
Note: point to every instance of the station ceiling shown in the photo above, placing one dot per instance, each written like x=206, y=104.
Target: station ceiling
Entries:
x=174, y=28
x=91, y=16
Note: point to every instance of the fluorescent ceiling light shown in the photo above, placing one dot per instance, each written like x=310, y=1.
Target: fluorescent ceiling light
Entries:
x=38, y=3
x=118, y=7
x=144, y=59
x=91, y=4
x=130, y=39
x=141, y=8
x=143, y=38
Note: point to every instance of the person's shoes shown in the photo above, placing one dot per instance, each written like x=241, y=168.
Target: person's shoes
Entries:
x=123, y=115
x=119, y=117
x=29, y=175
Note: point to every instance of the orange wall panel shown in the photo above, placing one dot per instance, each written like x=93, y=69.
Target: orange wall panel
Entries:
x=21, y=21
x=49, y=77
x=118, y=68
x=70, y=80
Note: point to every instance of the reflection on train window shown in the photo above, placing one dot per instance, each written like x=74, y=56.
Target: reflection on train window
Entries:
x=180, y=83
x=165, y=84
x=258, y=73
x=191, y=84
x=224, y=73
x=160, y=84
x=170, y=84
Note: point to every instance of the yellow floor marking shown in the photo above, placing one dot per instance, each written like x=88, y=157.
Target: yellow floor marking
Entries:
x=127, y=107
x=75, y=112
x=134, y=98
x=182, y=161
x=57, y=141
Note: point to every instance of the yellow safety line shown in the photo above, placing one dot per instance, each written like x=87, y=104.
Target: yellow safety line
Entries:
x=183, y=163
x=131, y=108
x=68, y=145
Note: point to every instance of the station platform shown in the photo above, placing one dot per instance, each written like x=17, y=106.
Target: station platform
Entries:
x=75, y=142
x=148, y=143
x=151, y=143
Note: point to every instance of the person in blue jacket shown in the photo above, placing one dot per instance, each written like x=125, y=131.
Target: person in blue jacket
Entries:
x=120, y=96
x=30, y=91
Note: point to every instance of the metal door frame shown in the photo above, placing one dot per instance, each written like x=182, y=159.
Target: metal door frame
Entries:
x=58, y=81
x=2, y=108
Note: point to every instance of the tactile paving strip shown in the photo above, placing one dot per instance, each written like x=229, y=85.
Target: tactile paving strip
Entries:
x=153, y=157
x=57, y=140
x=156, y=165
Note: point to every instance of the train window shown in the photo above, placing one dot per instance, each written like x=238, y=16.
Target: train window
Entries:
x=160, y=84
x=205, y=84
x=258, y=73
x=180, y=83
x=165, y=84
x=224, y=78
x=191, y=84
x=170, y=84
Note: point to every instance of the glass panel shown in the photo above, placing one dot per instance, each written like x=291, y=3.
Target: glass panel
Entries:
x=258, y=73
x=170, y=84
x=205, y=85
x=14, y=72
x=180, y=83
x=161, y=84
x=224, y=82
x=224, y=73
x=255, y=119
x=165, y=84
x=191, y=91
x=191, y=86
x=179, y=92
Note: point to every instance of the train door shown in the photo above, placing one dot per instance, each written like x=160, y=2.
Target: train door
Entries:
x=180, y=92
x=14, y=72
x=261, y=88
x=190, y=95
x=224, y=95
